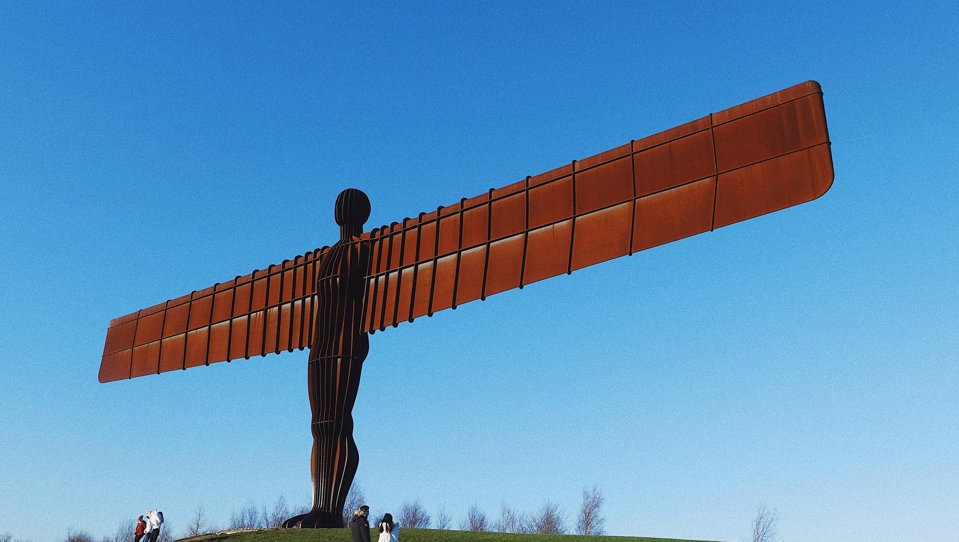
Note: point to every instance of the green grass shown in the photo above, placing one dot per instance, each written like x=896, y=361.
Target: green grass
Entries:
x=410, y=535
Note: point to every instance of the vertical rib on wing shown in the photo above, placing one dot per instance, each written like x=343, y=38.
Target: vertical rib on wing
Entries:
x=752, y=159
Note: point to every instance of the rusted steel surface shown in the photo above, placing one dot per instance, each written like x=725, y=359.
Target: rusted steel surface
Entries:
x=762, y=156
x=746, y=161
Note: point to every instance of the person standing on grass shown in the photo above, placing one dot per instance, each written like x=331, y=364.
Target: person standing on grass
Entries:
x=141, y=527
x=360, y=525
x=389, y=531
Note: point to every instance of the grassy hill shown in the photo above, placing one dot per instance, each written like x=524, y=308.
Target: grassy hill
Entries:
x=409, y=535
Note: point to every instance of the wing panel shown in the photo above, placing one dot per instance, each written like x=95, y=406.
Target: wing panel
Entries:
x=548, y=252
x=121, y=337
x=604, y=185
x=673, y=214
x=443, y=284
x=773, y=185
x=602, y=235
x=219, y=341
x=770, y=132
x=469, y=282
x=422, y=286
x=146, y=358
x=509, y=215
x=551, y=202
x=115, y=366
x=674, y=163
x=196, y=348
x=505, y=268
x=171, y=353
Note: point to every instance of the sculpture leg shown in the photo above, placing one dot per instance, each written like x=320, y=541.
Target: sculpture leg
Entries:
x=334, y=383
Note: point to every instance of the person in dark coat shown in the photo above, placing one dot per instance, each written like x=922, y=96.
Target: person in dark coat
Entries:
x=360, y=525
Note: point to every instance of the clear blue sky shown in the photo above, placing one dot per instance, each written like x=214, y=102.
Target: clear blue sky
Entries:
x=806, y=360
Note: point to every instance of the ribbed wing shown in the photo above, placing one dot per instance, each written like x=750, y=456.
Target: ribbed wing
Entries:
x=743, y=162
x=266, y=311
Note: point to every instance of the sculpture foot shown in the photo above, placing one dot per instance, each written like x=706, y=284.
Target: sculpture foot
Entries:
x=314, y=519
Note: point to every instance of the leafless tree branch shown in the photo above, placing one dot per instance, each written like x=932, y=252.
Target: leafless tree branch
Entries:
x=764, y=526
x=590, y=522
x=414, y=516
x=475, y=520
x=550, y=519
x=442, y=519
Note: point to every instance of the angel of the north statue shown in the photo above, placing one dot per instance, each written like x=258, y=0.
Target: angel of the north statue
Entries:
x=762, y=156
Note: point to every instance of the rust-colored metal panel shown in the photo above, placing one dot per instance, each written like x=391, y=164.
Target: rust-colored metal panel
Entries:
x=758, y=157
x=766, y=134
x=605, y=184
x=550, y=202
x=547, y=254
x=115, y=366
x=509, y=215
x=674, y=163
x=505, y=265
x=146, y=360
x=469, y=281
x=602, y=236
x=773, y=185
x=674, y=214
x=172, y=353
x=121, y=336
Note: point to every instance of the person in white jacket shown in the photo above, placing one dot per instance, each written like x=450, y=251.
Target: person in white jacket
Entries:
x=148, y=529
x=154, y=520
x=389, y=531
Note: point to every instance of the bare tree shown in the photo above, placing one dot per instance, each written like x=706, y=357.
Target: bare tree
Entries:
x=354, y=499
x=414, y=516
x=590, y=522
x=197, y=524
x=475, y=520
x=124, y=531
x=280, y=513
x=165, y=531
x=512, y=521
x=550, y=519
x=764, y=526
x=78, y=536
x=442, y=520
x=247, y=518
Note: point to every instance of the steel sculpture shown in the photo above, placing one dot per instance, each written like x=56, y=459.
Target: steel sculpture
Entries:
x=746, y=161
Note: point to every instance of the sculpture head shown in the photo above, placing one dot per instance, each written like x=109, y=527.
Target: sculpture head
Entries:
x=351, y=210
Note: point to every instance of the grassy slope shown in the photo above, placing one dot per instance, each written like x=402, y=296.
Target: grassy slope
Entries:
x=411, y=535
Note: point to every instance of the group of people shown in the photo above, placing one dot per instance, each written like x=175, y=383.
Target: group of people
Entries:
x=148, y=526
x=360, y=527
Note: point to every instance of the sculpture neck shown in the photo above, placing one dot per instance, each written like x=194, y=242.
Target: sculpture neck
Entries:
x=350, y=231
